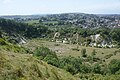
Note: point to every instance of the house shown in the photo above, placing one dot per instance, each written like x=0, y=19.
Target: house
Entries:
x=65, y=41
x=98, y=41
x=96, y=38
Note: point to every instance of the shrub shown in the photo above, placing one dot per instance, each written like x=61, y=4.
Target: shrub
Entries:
x=83, y=53
x=43, y=52
x=108, y=56
x=85, y=68
x=56, y=44
x=97, y=68
x=114, y=66
x=51, y=59
x=75, y=49
x=93, y=53
x=71, y=64
x=70, y=68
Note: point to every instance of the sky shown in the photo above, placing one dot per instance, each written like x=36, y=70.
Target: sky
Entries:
x=29, y=7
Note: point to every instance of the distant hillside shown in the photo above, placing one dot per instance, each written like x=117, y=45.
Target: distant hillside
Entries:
x=13, y=27
x=17, y=31
x=73, y=19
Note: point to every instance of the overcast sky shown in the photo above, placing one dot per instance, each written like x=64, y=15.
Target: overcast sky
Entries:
x=28, y=7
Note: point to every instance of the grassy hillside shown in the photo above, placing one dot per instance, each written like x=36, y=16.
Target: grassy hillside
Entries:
x=26, y=61
x=15, y=66
x=92, y=67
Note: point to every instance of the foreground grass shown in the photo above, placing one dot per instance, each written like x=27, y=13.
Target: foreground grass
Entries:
x=25, y=67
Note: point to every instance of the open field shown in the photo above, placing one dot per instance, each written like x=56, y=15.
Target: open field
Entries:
x=67, y=49
x=32, y=21
x=37, y=21
x=48, y=22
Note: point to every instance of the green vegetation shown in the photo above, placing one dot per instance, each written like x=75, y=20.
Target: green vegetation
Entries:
x=114, y=66
x=5, y=45
x=27, y=61
x=30, y=22
x=92, y=76
x=75, y=49
x=47, y=55
x=83, y=53
x=79, y=65
x=25, y=67
x=42, y=51
x=12, y=28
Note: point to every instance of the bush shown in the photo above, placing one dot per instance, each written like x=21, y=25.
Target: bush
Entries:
x=93, y=53
x=85, y=68
x=108, y=56
x=53, y=60
x=114, y=66
x=71, y=64
x=56, y=44
x=70, y=68
x=83, y=53
x=75, y=49
x=97, y=68
x=43, y=52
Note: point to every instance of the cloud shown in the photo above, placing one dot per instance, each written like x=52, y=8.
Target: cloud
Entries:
x=7, y=1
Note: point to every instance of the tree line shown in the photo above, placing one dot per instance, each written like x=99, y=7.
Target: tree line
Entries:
x=11, y=27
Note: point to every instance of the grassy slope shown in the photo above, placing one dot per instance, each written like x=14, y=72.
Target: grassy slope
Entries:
x=15, y=66
x=19, y=66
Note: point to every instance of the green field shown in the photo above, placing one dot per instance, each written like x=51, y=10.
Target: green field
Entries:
x=37, y=21
x=67, y=49
x=32, y=21
x=48, y=22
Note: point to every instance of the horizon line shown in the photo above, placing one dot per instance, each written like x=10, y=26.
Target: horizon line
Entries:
x=59, y=13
